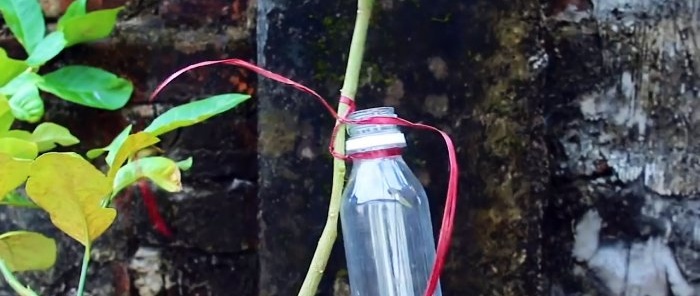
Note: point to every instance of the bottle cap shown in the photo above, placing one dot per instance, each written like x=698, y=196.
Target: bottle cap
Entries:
x=367, y=137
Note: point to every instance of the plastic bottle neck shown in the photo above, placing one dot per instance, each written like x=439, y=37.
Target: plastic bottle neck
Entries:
x=374, y=140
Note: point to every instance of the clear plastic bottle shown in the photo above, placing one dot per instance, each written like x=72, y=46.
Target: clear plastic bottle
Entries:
x=387, y=230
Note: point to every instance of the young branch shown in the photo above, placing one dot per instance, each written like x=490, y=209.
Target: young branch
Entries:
x=83, y=271
x=352, y=75
x=13, y=282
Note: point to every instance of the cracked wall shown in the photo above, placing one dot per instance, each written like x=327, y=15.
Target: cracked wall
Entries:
x=623, y=127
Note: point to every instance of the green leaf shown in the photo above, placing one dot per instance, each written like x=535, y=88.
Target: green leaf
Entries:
x=10, y=67
x=77, y=8
x=18, y=148
x=26, y=104
x=185, y=165
x=112, y=147
x=45, y=136
x=19, y=82
x=14, y=199
x=18, y=134
x=71, y=190
x=88, y=86
x=24, y=250
x=6, y=117
x=94, y=153
x=194, y=112
x=48, y=134
x=13, y=172
x=162, y=171
x=47, y=49
x=89, y=27
x=26, y=21
x=131, y=145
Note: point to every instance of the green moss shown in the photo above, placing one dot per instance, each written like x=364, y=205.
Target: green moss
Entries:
x=373, y=75
x=498, y=98
x=503, y=138
x=509, y=68
x=443, y=19
x=325, y=65
x=324, y=70
x=503, y=73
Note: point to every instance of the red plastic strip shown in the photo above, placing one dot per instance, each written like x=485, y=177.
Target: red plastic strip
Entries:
x=445, y=235
x=376, y=154
x=149, y=200
x=347, y=101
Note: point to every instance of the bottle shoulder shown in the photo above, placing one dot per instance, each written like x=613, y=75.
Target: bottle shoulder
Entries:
x=385, y=179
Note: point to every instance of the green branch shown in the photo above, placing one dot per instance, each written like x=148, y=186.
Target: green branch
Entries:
x=14, y=283
x=83, y=270
x=352, y=75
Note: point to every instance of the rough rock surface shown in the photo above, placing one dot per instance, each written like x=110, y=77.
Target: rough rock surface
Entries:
x=623, y=90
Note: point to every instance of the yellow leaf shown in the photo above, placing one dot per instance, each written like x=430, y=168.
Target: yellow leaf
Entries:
x=162, y=171
x=133, y=144
x=18, y=134
x=71, y=190
x=23, y=250
x=13, y=172
x=6, y=117
x=19, y=148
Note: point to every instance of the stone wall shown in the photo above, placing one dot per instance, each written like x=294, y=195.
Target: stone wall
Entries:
x=573, y=121
x=462, y=66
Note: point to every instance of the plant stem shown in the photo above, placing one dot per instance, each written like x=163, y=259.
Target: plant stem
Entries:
x=14, y=283
x=83, y=271
x=352, y=75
